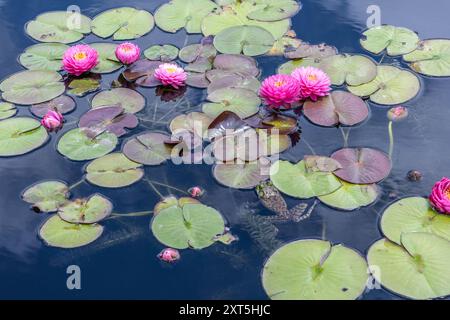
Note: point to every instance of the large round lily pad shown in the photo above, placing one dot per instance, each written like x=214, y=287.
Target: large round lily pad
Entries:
x=340, y=107
x=149, y=148
x=61, y=234
x=43, y=56
x=32, y=86
x=20, y=135
x=249, y=40
x=76, y=145
x=172, y=201
x=197, y=51
x=226, y=64
x=396, y=40
x=390, y=87
x=314, y=270
x=7, y=110
x=187, y=14
x=299, y=181
x=431, y=58
x=194, y=122
x=351, y=196
x=274, y=10
x=353, y=70
x=165, y=52
x=114, y=171
x=124, y=23
x=86, y=211
x=192, y=226
x=59, y=26
x=288, y=67
x=130, y=100
x=242, y=175
x=107, y=61
x=235, y=81
x=47, y=196
x=362, y=165
x=416, y=269
x=142, y=72
x=63, y=104
x=243, y=102
x=413, y=214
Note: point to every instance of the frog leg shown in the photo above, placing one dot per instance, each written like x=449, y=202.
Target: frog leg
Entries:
x=298, y=212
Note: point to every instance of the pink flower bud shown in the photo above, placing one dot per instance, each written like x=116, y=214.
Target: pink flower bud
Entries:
x=397, y=113
x=440, y=196
x=52, y=121
x=80, y=59
x=128, y=53
x=169, y=255
x=196, y=192
x=169, y=74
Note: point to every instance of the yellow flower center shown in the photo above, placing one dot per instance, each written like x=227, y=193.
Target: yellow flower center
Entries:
x=278, y=83
x=312, y=77
x=79, y=56
x=126, y=48
x=447, y=193
x=171, y=69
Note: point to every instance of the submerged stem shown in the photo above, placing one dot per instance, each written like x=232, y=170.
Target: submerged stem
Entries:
x=309, y=146
x=168, y=186
x=345, y=136
x=391, y=139
x=154, y=188
x=76, y=184
x=132, y=214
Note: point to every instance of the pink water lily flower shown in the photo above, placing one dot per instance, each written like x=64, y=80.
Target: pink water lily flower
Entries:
x=440, y=196
x=80, y=59
x=128, y=53
x=52, y=120
x=280, y=90
x=169, y=255
x=313, y=82
x=397, y=113
x=171, y=75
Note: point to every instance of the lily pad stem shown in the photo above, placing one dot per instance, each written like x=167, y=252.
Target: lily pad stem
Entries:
x=132, y=214
x=154, y=188
x=168, y=186
x=391, y=139
x=345, y=136
x=309, y=146
x=76, y=184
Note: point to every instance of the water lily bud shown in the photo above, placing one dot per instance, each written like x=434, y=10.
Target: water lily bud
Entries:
x=52, y=120
x=128, y=53
x=397, y=113
x=169, y=255
x=196, y=192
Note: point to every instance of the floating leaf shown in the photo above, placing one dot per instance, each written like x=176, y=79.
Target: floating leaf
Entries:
x=47, y=196
x=362, y=165
x=431, y=58
x=7, y=110
x=243, y=102
x=164, y=53
x=353, y=70
x=124, y=23
x=311, y=51
x=320, y=163
x=172, y=201
x=59, y=26
x=351, y=196
x=390, y=87
x=395, y=40
x=250, y=40
x=32, y=86
x=227, y=64
x=417, y=269
x=107, y=58
x=340, y=107
x=197, y=80
x=288, y=67
x=287, y=43
x=76, y=145
x=245, y=175
x=83, y=86
x=86, y=211
x=413, y=214
x=201, y=65
x=130, y=100
x=235, y=81
x=273, y=123
x=148, y=148
x=62, y=104
x=192, y=226
x=194, y=122
x=295, y=180
x=43, y=56
x=142, y=71
x=20, y=135
x=195, y=51
x=225, y=123
x=274, y=10
x=314, y=270
x=61, y=234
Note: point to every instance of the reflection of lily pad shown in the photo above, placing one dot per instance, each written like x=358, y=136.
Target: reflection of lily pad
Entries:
x=192, y=226
x=76, y=145
x=20, y=135
x=114, y=171
x=61, y=234
x=431, y=58
x=142, y=72
x=396, y=40
x=242, y=175
x=130, y=100
x=124, y=23
x=314, y=270
x=107, y=61
x=86, y=211
x=390, y=87
x=165, y=52
x=47, y=196
x=274, y=10
x=7, y=110
x=413, y=215
x=243, y=102
x=417, y=269
x=148, y=148
x=351, y=196
x=43, y=56
x=63, y=104
x=295, y=180
x=353, y=70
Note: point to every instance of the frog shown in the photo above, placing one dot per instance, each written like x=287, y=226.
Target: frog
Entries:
x=273, y=200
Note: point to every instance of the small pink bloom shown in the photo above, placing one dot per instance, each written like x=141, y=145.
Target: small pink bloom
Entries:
x=280, y=90
x=169, y=255
x=397, y=113
x=52, y=120
x=171, y=75
x=314, y=83
x=128, y=53
x=440, y=196
x=196, y=192
x=80, y=59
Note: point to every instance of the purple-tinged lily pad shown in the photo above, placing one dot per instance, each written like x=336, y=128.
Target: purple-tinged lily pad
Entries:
x=234, y=81
x=274, y=123
x=245, y=175
x=142, y=72
x=149, y=148
x=130, y=100
x=306, y=50
x=225, y=123
x=200, y=65
x=340, y=107
x=194, y=122
x=197, y=80
x=237, y=63
x=362, y=165
x=62, y=104
x=193, y=52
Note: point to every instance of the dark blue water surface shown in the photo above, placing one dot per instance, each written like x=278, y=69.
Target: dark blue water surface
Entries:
x=123, y=263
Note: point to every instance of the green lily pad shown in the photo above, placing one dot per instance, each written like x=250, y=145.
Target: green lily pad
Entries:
x=353, y=70
x=311, y=51
x=298, y=181
x=431, y=58
x=7, y=110
x=197, y=51
x=192, y=226
x=63, y=104
x=172, y=201
x=20, y=135
x=83, y=86
x=351, y=196
x=123, y=23
x=114, y=171
x=32, y=86
x=314, y=270
x=187, y=14
x=391, y=86
x=396, y=40
x=108, y=61
x=130, y=100
x=164, y=53
x=47, y=196
x=413, y=214
x=243, y=102
x=59, y=26
x=148, y=148
x=235, y=81
x=194, y=122
x=226, y=64
x=76, y=145
x=274, y=10
x=288, y=67
x=86, y=211
x=43, y=56
x=416, y=269
x=242, y=175
x=61, y=234
x=250, y=40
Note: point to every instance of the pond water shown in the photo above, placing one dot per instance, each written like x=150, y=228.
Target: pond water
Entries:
x=122, y=264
